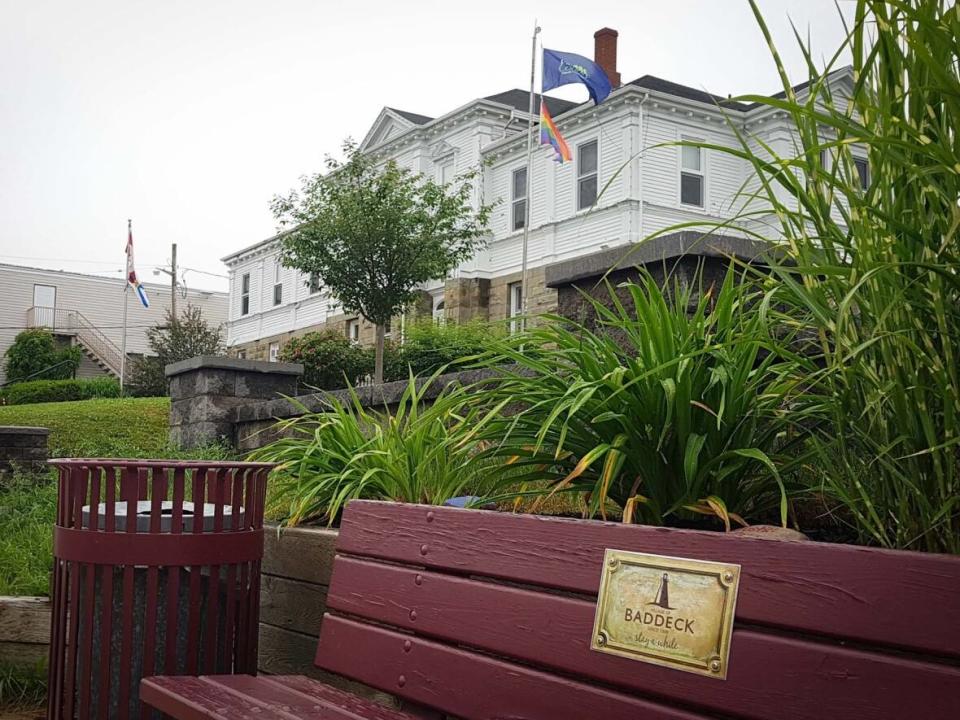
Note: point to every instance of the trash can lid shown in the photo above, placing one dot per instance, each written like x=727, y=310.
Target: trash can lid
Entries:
x=144, y=510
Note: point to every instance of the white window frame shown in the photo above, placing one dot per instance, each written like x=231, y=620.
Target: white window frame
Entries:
x=244, y=294
x=313, y=284
x=273, y=352
x=862, y=180
x=277, y=283
x=518, y=202
x=701, y=173
x=353, y=330
x=444, y=164
x=582, y=177
x=515, y=306
x=241, y=354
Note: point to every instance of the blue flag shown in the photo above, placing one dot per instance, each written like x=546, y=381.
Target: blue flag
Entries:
x=563, y=68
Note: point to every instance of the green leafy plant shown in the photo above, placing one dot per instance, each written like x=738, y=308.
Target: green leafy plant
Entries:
x=177, y=338
x=671, y=406
x=39, y=391
x=870, y=275
x=429, y=346
x=373, y=232
x=330, y=361
x=34, y=355
x=417, y=453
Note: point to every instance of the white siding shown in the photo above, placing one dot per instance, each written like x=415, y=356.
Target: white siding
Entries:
x=99, y=300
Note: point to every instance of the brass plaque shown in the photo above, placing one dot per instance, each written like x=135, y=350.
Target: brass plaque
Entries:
x=667, y=611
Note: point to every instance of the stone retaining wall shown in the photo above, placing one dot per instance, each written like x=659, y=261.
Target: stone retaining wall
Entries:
x=23, y=446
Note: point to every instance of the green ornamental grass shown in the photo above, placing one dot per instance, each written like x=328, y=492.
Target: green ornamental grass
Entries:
x=870, y=275
x=671, y=406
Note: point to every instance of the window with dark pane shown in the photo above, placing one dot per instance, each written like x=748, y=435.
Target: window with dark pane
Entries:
x=587, y=163
x=691, y=175
x=245, y=294
x=519, y=198
x=863, y=171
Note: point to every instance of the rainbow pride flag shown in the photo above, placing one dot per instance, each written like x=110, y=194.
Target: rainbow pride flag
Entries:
x=549, y=135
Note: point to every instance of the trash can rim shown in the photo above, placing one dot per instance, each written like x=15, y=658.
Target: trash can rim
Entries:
x=127, y=462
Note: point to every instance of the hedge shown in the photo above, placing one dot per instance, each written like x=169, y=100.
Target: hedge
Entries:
x=38, y=391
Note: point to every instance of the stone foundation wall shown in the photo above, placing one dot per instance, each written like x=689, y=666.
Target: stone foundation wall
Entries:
x=541, y=299
x=24, y=447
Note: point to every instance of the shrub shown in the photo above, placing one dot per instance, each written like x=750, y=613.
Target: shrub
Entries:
x=34, y=355
x=330, y=361
x=176, y=339
x=670, y=407
x=39, y=391
x=430, y=346
x=413, y=454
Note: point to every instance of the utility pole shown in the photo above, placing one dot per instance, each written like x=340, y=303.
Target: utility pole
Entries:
x=172, y=272
x=173, y=281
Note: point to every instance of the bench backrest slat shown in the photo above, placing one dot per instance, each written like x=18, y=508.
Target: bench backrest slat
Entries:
x=867, y=595
x=554, y=631
x=422, y=595
x=469, y=685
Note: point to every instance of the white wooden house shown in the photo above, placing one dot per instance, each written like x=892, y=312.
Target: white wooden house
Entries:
x=625, y=183
x=87, y=311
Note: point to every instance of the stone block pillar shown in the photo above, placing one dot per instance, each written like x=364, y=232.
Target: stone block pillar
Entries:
x=206, y=390
x=466, y=299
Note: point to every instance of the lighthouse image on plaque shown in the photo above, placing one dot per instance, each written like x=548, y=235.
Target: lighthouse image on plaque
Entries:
x=663, y=594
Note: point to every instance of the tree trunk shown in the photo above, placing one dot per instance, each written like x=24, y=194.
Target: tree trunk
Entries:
x=378, y=361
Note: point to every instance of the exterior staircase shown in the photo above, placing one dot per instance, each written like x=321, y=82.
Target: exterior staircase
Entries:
x=95, y=345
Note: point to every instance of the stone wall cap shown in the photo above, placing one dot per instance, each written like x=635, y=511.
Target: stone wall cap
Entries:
x=216, y=362
x=372, y=396
x=23, y=430
x=686, y=242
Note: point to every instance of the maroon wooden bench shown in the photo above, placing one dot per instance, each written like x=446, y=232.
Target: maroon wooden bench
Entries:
x=489, y=615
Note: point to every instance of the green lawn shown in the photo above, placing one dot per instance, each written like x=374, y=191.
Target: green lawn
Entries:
x=117, y=427
x=107, y=427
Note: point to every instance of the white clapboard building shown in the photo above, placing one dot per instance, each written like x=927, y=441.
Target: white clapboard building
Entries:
x=87, y=311
x=621, y=147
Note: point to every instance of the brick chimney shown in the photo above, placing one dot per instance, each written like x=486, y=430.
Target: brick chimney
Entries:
x=605, y=53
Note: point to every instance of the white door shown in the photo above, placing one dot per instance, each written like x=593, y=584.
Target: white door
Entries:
x=44, y=302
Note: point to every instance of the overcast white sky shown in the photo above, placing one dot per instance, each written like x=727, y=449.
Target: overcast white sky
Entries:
x=189, y=115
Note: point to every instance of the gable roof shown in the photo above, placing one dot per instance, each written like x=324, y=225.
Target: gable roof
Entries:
x=412, y=117
x=652, y=82
x=520, y=100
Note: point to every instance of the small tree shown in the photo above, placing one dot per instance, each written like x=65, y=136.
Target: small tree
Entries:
x=372, y=233
x=34, y=355
x=177, y=339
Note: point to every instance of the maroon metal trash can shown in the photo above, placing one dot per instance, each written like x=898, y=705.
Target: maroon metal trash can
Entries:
x=156, y=571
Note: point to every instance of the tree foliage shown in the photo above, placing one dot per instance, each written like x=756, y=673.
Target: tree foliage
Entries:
x=372, y=233
x=176, y=339
x=34, y=355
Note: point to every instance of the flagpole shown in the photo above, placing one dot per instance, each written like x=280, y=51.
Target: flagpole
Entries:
x=526, y=214
x=123, y=339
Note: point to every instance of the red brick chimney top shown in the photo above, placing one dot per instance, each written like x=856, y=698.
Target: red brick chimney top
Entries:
x=605, y=53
